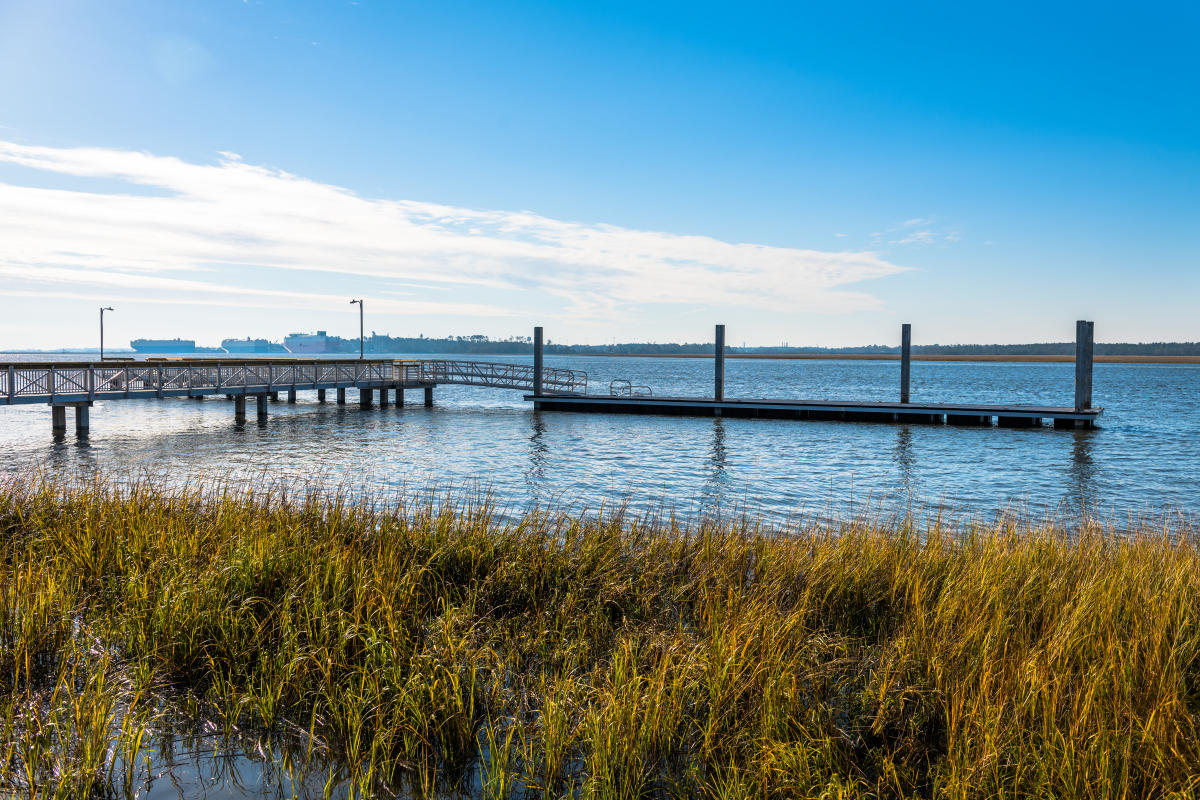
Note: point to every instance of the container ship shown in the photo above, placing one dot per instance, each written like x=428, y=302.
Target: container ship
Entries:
x=319, y=342
x=249, y=345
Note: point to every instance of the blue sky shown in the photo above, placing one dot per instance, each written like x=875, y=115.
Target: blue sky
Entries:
x=815, y=174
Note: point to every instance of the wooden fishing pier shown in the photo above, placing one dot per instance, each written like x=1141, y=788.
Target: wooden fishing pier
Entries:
x=78, y=386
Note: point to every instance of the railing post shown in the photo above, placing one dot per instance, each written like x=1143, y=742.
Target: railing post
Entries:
x=91, y=382
x=719, y=365
x=12, y=383
x=1084, y=346
x=537, y=361
x=158, y=380
x=905, y=359
x=125, y=381
x=52, y=382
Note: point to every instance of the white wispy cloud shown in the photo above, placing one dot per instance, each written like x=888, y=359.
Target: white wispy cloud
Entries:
x=233, y=215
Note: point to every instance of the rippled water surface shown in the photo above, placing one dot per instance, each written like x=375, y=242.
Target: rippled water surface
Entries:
x=1143, y=459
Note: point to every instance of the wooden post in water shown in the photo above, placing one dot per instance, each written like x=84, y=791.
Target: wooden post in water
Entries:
x=719, y=365
x=1083, y=364
x=537, y=361
x=905, y=359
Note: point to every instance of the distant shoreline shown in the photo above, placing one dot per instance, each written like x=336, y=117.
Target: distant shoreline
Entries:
x=915, y=357
x=1057, y=358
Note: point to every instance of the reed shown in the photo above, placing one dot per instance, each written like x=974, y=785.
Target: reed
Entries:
x=427, y=647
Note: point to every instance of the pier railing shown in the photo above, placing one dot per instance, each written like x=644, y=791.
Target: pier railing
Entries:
x=69, y=382
x=502, y=376
x=48, y=382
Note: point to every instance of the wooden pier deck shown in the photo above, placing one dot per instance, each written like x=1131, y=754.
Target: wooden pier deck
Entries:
x=1005, y=416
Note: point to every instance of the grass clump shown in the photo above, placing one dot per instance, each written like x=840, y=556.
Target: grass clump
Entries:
x=437, y=647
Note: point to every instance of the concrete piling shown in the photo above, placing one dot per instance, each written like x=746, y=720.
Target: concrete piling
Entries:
x=1084, y=346
x=429, y=397
x=262, y=405
x=537, y=363
x=239, y=407
x=719, y=365
x=341, y=396
x=320, y=395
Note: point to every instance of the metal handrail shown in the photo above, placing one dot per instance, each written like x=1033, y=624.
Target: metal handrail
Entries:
x=619, y=387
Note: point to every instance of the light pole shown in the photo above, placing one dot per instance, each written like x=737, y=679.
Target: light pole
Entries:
x=360, y=327
x=102, y=310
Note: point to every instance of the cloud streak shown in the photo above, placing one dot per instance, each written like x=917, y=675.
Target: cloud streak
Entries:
x=230, y=215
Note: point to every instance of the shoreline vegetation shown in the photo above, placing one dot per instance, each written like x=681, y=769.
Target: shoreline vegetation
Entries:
x=425, y=648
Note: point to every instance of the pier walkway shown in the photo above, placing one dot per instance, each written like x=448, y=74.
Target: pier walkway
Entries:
x=63, y=385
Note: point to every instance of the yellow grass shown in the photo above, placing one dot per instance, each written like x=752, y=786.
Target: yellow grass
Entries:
x=430, y=647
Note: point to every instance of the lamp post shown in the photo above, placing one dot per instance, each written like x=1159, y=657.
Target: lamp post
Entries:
x=102, y=310
x=360, y=327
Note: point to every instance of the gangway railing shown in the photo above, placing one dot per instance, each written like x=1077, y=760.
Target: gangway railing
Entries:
x=623, y=388
x=502, y=376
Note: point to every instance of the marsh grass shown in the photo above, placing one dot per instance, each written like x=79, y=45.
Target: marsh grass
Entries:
x=437, y=647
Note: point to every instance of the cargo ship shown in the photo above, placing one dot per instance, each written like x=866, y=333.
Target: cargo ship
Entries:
x=164, y=345
x=249, y=345
x=170, y=346
x=319, y=342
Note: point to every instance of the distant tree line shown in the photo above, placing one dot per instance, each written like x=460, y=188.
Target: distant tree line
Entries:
x=482, y=345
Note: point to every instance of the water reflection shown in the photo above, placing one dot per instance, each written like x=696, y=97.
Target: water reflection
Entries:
x=1082, y=474
x=717, y=480
x=902, y=455
x=535, y=472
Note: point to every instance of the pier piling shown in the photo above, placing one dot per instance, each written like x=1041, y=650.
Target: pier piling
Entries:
x=291, y=395
x=239, y=407
x=719, y=364
x=537, y=362
x=341, y=396
x=82, y=419
x=320, y=395
x=905, y=359
x=399, y=396
x=58, y=418
x=1083, y=364
x=262, y=405
x=366, y=398
x=429, y=397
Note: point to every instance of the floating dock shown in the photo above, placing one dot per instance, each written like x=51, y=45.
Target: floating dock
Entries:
x=626, y=401
x=1012, y=416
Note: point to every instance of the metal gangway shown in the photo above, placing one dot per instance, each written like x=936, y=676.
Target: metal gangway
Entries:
x=502, y=376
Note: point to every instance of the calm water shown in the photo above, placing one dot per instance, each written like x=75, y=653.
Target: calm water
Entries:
x=1143, y=460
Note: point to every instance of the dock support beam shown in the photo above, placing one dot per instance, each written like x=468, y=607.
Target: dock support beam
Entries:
x=399, y=396
x=262, y=406
x=366, y=398
x=274, y=396
x=82, y=419
x=429, y=395
x=719, y=365
x=291, y=395
x=383, y=399
x=239, y=407
x=320, y=395
x=58, y=418
x=1083, y=365
x=537, y=366
x=341, y=397
x=905, y=359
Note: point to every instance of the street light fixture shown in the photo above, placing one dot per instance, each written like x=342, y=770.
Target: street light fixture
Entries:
x=102, y=310
x=360, y=327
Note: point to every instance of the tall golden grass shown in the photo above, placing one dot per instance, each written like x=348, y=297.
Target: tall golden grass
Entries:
x=426, y=647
